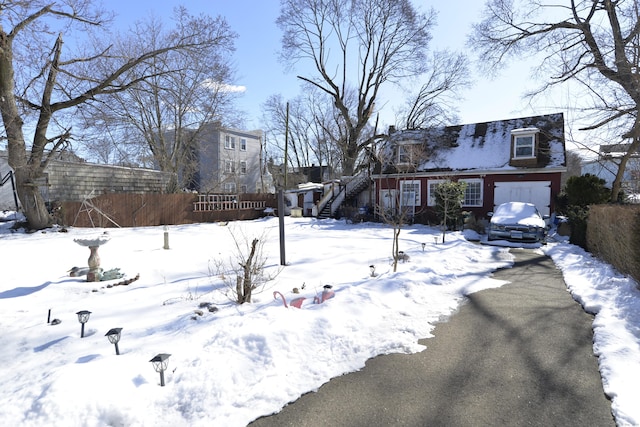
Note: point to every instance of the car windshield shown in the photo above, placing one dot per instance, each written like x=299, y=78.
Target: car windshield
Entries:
x=516, y=213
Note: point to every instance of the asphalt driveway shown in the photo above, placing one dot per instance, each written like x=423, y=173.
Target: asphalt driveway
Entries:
x=519, y=355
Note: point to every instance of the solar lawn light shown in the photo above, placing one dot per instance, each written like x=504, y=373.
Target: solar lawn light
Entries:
x=423, y=245
x=114, y=336
x=166, y=237
x=373, y=270
x=160, y=363
x=83, y=317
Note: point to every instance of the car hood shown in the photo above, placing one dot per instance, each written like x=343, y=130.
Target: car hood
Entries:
x=517, y=213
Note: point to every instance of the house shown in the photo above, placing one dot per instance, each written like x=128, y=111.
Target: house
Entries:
x=315, y=173
x=68, y=178
x=507, y=160
x=305, y=197
x=229, y=161
x=605, y=166
x=8, y=195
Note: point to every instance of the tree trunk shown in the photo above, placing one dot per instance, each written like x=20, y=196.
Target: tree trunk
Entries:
x=617, y=182
x=33, y=205
x=247, y=283
x=26, y=171
x=397, y=227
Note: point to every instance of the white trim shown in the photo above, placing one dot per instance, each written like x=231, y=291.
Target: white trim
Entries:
x=230, y=187
x=401, y=146
x=229, y=142
x=471, y=172
x=528, y=145
x=519, y=134
x=412, y=193
x=474, y=181
x=388, y=198
x=229, y=166
x=431, y=198
x=523, y=131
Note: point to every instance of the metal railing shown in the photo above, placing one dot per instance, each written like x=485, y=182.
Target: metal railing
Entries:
x=337, y=193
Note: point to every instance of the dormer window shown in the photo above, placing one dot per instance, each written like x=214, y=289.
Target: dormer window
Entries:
x=407, y=152
x=404, y=155
x=524, y=143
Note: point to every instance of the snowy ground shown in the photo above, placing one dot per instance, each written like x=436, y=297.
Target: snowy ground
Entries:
x=234, y=365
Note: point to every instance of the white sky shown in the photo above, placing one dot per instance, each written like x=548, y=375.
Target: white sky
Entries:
x=260, y=72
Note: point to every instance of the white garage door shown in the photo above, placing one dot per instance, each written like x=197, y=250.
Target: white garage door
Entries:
x=536, y=192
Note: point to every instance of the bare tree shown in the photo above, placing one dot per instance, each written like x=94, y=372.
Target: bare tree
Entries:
x=593, y=44
x=356, y=47
x=449, y=196
x=435, y=103
x=313, y=126
x=244, y=273
x=186, y=90
x=400, y=199
x=42, y=85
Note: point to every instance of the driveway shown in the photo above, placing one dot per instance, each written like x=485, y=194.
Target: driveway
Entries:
x=519, y=355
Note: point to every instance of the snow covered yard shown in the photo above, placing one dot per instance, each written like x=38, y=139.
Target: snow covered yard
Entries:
x=238, y=363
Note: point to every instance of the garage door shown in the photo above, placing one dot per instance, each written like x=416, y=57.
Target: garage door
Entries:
x=536, y=192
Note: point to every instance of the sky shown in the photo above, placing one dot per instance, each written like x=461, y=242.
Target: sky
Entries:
x=260, y=72
x=237, y=363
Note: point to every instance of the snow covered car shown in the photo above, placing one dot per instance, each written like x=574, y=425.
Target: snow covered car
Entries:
x=517, y=221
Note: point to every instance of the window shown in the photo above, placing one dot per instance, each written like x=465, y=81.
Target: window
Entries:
x=230, y=142
x=229, y=166
x=243, y=188
x=524, y=143
x=243, y=144
x=407, y=152
x=431, y=196
x=473, y=192
x=230, y=187
x=243, y=167
x=410, y=191
x=523, y=146
x=388, y=199
x=404, y=155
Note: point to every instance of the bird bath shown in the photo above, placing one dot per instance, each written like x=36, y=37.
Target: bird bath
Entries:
x=95, y=272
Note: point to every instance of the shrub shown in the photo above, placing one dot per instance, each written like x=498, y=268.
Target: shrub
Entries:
x=449, y=196
x=586, y=190
x=579, y=193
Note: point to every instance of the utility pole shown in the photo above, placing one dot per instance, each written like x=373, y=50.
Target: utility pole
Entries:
x=283, y=258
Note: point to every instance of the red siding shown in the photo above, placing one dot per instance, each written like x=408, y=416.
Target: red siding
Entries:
x=488, y=190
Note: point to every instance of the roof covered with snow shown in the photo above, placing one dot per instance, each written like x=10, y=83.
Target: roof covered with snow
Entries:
x=484, y=146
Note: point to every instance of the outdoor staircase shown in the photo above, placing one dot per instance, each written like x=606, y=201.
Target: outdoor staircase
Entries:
x=340, y=192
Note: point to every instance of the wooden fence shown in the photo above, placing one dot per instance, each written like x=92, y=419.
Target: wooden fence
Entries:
x=150, y=209
x=225, y=202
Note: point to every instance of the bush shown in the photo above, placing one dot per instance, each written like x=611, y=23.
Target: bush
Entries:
x=579, y=193
x=586, y=190
x=449, y=196
x=578, y=217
